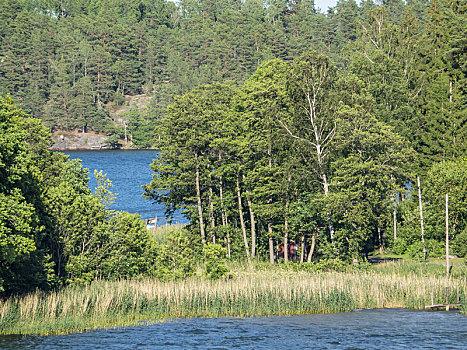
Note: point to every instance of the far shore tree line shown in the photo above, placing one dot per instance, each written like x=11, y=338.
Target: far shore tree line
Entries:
x=294, y=125
x=77, y=64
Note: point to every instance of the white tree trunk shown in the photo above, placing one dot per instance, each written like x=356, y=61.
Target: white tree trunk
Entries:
x=252, y=222
x=242, y=222
x=200, y=209
x=312, y=248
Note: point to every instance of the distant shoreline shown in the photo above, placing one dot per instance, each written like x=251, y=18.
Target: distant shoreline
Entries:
x=90, y=141
x=102, y=149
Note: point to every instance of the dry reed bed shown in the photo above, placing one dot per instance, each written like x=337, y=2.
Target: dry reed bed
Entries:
x=107, y=304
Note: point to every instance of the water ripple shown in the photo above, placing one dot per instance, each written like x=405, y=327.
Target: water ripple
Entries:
x=375, y=329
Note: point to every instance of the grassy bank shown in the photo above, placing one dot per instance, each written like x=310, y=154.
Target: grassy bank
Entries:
x=249, y=292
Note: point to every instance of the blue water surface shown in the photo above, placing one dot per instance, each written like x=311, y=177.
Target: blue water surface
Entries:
x=366, y=329
x=128, y=170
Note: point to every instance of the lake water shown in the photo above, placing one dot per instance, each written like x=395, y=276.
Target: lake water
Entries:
x=128, y=170
x=367, y=329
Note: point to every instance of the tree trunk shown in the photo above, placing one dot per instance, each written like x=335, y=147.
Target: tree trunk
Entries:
x=271, y=251
x=200, y=209
x=302, y=248
x=211, y=215
x=380, y=240
x=225, y=220
x=421, y=216
x=225, y=224
x=252, y=223
x=286, y=233
x=447, y=235
x=221, y=198
x=394, y=214
x=240, y=214
x=312, y=248
x=224, y=215
x=271, y=243
x=228, y=243
x=330, y=223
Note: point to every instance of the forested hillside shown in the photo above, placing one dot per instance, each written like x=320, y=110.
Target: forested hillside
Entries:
x=71, y=63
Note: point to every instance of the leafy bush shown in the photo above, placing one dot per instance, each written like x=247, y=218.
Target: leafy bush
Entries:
x=321, y=265
x=176, y=259
x=459, y=244
x=131, y=250
x=434, y=249
x=214, y=258
x=331, y=265
x=400, y=246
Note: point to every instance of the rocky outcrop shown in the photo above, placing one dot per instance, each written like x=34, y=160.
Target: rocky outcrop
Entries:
x=65, y=140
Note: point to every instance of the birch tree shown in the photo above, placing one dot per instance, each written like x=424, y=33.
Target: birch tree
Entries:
x=313, y=123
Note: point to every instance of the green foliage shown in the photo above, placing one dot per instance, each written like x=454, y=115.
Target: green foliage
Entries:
x=131, y=251
x=302, y=149
x=106, y=197
x=443, y=133
x=400, y=246
x=374, y=162
x=53, y=230
x=459, y=244
x=15, y=230
x=443, y=178
x=214, y=259
x=141, y=127
x=68, y=61
x=23, y=165
x=433, y=248
x=176, y=259
x=446, y=178
x=113, y=140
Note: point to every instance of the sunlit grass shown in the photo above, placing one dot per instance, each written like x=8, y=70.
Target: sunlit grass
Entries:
x=247, y=292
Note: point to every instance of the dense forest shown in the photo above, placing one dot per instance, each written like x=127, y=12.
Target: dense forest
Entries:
x=274, y=122
x=71, y=63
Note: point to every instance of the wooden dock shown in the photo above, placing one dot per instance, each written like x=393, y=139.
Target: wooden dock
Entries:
x=440, y=307
x=447, y=306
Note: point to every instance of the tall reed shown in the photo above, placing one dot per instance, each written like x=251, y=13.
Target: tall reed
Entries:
x=246, y=293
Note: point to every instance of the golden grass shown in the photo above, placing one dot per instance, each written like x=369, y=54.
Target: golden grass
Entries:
x=246, y=293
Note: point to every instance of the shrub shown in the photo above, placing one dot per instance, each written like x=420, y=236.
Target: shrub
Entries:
x=400, y=246
x=433, y=249
x=331, y=265
x=214, y=257
x=459, y=244
x=176, y=259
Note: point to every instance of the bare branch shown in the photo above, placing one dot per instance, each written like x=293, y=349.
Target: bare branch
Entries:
x=330, y=135
x=293, y=135
x=369, y=59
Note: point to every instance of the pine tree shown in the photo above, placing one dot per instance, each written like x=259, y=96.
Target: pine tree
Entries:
x=444, y=105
